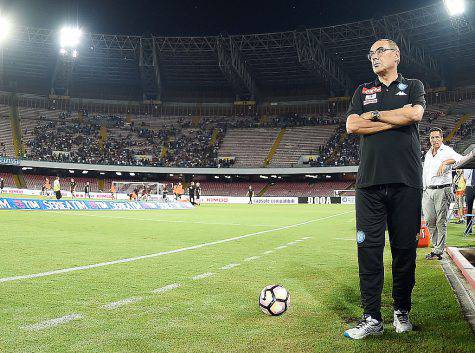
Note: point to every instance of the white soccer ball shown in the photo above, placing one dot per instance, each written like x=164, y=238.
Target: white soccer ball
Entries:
x=274, y=300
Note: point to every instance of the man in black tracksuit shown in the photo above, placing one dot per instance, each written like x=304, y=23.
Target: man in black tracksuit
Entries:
x=191, y=192
x=87, y=190
x=386, y=112
x=250, y=193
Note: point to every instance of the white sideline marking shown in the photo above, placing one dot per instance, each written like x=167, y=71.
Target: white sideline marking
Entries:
x=53, y=322
x=251, y=258
x=268, y=252
x=291, y=243
x=203, y=275
x=130, y=259
x=166, y=288
x=298, y=241
x=281, y=247
x=305, y=238
x=68, y=213
x=119, y=303
x=228, y=267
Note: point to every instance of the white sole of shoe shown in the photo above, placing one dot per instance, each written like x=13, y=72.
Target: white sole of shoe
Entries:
x=359, y=338
x=399, y=330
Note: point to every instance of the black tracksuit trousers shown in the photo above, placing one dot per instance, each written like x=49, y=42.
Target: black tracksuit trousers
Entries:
x=397, y=207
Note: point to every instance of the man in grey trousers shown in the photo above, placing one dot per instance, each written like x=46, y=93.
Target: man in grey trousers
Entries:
x=437, y=184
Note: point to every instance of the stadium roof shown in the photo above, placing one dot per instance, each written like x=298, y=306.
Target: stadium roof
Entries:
x=321, y=62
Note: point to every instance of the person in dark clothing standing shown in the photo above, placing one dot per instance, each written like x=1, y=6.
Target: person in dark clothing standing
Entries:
x=72, y=187
x=250, y=193
x=87, y=189
x=386, y=113
x=2, y=185
x=191, y=192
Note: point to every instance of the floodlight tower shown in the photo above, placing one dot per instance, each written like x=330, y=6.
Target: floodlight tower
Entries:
x=69, y=40
x=5, y=29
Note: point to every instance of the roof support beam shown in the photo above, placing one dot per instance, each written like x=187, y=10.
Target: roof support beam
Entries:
x=411, y=54
x=62, y=75
x=234, y=68
x=314, y=57
x=149, y=70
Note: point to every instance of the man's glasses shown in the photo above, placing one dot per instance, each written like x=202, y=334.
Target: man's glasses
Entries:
x=378, y=52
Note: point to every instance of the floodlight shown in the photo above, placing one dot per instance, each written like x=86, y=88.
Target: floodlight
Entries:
x=455, y=7
x=5, y=27
x=69, y=37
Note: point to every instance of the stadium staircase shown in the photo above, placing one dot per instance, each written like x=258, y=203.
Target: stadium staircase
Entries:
x=214, y=136
x=16, y=127
x=196, y=121
x=264, y=189
x=163, y=153
x=18, y=147
x=274, y=147
x=6, y=134
x=101, y=183
x=463, y=119
x=263, y=120
x=102, y=137
x=19, y=181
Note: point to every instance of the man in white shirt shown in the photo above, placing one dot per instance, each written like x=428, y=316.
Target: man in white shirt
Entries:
x=57, y=188
x=437, y=184
x=469, y=175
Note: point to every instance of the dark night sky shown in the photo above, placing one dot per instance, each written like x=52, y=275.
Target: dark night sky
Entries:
x=198, y=17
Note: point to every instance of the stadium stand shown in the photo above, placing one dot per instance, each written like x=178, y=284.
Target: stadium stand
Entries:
x=35, y=181
x=9, y=181
x=209, y=188
x=237, y=188
x=302, y=189
x=6, y=134
x=300, y=141
x=249, y=146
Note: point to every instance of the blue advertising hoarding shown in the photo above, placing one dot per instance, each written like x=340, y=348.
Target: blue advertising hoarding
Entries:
x=88, y=205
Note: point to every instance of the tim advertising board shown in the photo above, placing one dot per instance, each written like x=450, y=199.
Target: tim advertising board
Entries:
x=84, y=205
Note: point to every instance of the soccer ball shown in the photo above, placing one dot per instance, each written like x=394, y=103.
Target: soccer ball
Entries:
x=274, y=300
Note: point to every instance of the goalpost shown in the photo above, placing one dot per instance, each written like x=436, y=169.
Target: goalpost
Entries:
x=347, y=192
x=140, y=190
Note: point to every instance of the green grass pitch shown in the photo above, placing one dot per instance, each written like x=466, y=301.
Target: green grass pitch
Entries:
x=122, y=307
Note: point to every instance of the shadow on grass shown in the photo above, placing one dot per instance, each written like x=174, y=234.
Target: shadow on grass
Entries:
x=344, y=301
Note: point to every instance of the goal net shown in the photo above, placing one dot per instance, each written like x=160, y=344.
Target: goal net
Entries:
x=138, y=190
